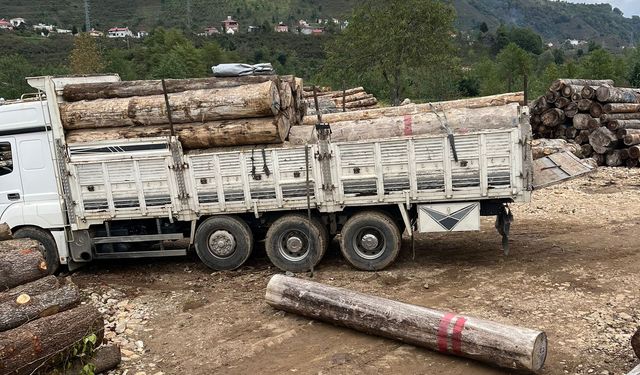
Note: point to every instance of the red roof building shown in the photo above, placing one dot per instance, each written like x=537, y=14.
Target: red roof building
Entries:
x=230, y=24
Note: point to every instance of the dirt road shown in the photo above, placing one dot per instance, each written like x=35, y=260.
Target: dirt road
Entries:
x=573, y=272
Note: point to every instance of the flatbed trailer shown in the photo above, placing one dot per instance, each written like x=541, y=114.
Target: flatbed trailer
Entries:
x=128, y=198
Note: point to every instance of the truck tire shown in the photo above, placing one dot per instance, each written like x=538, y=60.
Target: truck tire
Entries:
x=223, y=243
x=45, y=238
x=370, y=241
x=290, y=240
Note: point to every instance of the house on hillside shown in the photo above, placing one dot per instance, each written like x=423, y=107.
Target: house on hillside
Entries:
x=312, y=29
x=282, y=28
x=63, y=31
x=17, y=22
x=253, y=29
x=210, y=31
x=41, y=27
x=142, y=34
x=230, y=24
x=96, y=33
x=4, y=24
x=119, y=32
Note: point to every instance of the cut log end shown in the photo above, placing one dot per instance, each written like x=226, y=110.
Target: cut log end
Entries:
x=23, y=299
x=539, y=354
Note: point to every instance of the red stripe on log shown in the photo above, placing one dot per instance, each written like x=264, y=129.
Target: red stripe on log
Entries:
x=456, y=336
x=408, y=122
x=443, y=334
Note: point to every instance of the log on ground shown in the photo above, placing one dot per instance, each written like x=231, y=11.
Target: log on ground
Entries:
x=616, y=158
x=607, y=94
x=606, y=117
x=461, y=120
x=257, y=100
x=623, y=124
x=621, y=108
x=634, y=152
x=361, y=103
x=487, y=101
x=545, y=147
x=553, y=117
x=103, y=359
x=499, y=344
x=43, y=343
x=21, y=261
x=5, y=232
x=241, y=132
x=595, y=110
x=583, y=121
x=632, y=139
x=584, y=105
x=127, y=89
x=635, y=343
x=603, y=140
x=33, y=288
x=13, y=314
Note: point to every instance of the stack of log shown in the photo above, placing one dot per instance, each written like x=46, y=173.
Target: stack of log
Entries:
x=602, y=119
x=461, y=116
x=43, y=324
x=354, y=99
x=205, y=112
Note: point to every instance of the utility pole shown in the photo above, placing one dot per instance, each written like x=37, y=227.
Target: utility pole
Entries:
x=189, y=15
x=87, y=20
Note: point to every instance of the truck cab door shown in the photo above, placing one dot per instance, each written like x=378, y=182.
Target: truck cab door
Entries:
x=10, y=183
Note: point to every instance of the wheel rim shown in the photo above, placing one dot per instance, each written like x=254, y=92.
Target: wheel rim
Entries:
x=221, y=244
x=369, y=243
x=293, y=245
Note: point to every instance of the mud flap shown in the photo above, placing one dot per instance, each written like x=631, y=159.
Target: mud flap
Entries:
x=503, y=225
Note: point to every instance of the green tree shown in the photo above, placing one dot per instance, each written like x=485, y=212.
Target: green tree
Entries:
x=514, y=62
x=119, y=62
x=388, y=39
x=598, y=65
x=13, y=69
x=85, y=58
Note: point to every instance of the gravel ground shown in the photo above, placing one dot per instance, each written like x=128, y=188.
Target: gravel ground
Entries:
x=572, y=272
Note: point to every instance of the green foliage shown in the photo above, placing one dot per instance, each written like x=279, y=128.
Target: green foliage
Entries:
x=391, y=41
x=13, y=69
x=524, y=38
x=85, y=57
x=514, y=62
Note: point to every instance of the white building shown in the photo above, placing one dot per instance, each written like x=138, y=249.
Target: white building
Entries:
x=119, y=32
x=42, y=26
x=17, y=21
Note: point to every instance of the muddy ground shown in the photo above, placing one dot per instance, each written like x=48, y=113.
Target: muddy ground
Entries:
x=573, y=271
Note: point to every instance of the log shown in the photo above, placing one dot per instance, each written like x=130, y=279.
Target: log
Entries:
x=461, y=121
x=584, y=105
x=33, y=288
x=621, y=108
x=348, y=92
x=614, y=158
x=607, y=94
x=606, y=117
x=600, y=159
x=571, y=110
x=635, y=343
x=551, y=96
x=583, y=121
x=588, y=92
x=42, y=343
x=558, y=84
x=632, y=163
x=623, y=124
x=539, y=105
x=103, y=359
x=583, y=137
x=266, y=130
x=602, y=140
x=632, y=139
x=621, y=133
x=247, y=101
x=595, y=110
x=5, y=232
x=634, y=152
x=624, y=153
x=545, y=147
x=21, y=261
x=568, y=90
x=128, y=89
x=361, y=103
x=496, y=343
x=571, y=132
x=576, y=97
x=553, y=117
x=562, y=102
x=587, y=150
x=286, y=96
x=487, y=101
x=353, y=98
x=13, y=314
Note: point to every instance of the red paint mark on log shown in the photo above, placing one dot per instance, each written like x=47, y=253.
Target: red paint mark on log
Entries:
x=37, y=345
x=443, y=334
x=27, y=251
x=408, y=125
x=456, y=336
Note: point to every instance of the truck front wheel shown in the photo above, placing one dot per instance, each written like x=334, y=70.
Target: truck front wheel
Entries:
x=370, y=241
x=295, y=244
x=223, y=242
x=50, y=252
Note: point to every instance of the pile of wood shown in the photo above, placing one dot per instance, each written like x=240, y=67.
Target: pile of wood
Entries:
x=461, y=116
x=205, y=112
x=602, y=119
x=42, y=320
x=354, y=99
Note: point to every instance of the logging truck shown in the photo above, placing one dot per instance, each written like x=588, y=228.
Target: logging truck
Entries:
x=149, y=197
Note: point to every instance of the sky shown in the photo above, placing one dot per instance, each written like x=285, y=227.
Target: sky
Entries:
x=628, y=7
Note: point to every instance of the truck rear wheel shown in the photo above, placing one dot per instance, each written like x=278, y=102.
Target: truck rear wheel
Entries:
x=45, y=238
x=292, y=241
x=370, y=241
x=223, y=242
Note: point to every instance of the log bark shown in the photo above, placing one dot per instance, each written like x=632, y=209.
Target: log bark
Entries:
x=487, y=101
x=51, y=302
x=635, y=343
x=5, y=232
x=583, y=137
x=584, y=121
x=33, y=288
x=571, y=110
x=588, y=92
x=621, y=108
x=600, y=159
x=606, y=117
x=539, y=106
x=623, y=124
x=105, y=358
x=632, y=139
x=602, y=140
x=587, y=150
x=595, y=110
x=621, y=133
x=240, y=132
x=353, y=98
x=634, y=152
x=462, y=120
x=558, y=84
x=584, y=105
x=553, y=117
x=607, y=94
x=496, y=343
x=562, y=102
x=552, y=96
x=614, y=158
x=361, y=103
x=568, y=90
x=248, y=101
x=545, y=147
x=632, y=163
x=21, y=261
x=42, y=343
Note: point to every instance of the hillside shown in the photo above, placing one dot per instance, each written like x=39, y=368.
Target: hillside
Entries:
x=554, y=20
